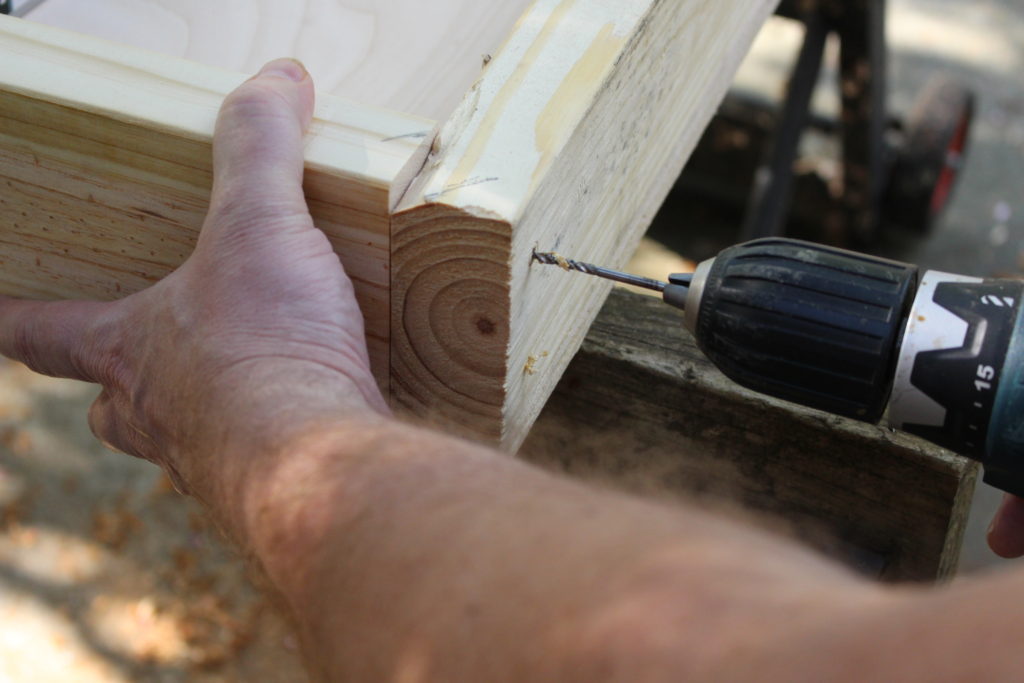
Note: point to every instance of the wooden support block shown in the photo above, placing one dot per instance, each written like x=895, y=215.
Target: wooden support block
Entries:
x=642, y=407
x=570, y=141
x=105, y=171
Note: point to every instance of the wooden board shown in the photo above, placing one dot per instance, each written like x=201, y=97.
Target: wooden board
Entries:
x=105, y=170
x=569, y=142
x=640, y=406
x=409, y=55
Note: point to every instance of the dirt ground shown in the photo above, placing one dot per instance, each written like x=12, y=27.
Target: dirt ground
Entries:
x=107, y=574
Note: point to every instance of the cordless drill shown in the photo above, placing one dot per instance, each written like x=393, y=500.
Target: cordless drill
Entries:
x=940, y=355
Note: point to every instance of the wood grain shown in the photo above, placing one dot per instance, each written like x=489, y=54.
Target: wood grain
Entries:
x=105, y=171
x=569, y=142
x=408, y=55
x=640, y=406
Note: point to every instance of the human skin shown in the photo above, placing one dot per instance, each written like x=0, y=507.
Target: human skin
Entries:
x=406, y=555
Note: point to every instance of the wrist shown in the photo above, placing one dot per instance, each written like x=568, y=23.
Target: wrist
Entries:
x=285, y=504
x=255, y=415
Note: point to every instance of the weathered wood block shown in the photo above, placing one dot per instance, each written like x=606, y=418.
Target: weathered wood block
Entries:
x=641, y=407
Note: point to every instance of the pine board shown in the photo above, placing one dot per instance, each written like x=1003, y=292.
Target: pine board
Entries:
x=407, y=55
x=570, y=142
x=105, y=170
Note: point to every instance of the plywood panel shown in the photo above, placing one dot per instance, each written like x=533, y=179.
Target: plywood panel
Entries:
x=414, y=56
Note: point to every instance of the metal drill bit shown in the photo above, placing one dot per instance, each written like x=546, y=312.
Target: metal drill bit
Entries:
x=553, y=259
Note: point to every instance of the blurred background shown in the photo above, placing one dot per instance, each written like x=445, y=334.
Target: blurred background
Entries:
x=107, y=574
x=972, y=51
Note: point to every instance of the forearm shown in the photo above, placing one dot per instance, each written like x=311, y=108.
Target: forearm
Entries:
x=402, y=550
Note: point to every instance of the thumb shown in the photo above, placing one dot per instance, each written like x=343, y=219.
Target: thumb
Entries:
x=257, y=145
x=1006, y=534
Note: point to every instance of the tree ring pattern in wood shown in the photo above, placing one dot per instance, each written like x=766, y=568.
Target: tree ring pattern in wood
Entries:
x=450, y=302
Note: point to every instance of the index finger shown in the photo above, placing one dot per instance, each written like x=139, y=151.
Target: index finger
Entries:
x=51, y=338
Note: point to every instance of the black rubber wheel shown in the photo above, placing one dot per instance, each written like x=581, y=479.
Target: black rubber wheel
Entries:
x=928, y=164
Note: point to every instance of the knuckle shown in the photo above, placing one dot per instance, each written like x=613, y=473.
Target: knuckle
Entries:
x=24, y=346
x=113, y=428
x=239, y=209
x=252, y=118
x=254, y=99
x=103, y=354
x=112, y=371
x=236, y=216
x=101, y=421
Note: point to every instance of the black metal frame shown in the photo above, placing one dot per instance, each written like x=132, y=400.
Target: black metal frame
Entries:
x=860, y=26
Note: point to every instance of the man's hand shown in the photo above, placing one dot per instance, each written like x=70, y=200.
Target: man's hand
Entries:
x=256, y=336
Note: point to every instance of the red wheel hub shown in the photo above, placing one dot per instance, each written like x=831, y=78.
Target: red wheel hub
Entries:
x=950, y=168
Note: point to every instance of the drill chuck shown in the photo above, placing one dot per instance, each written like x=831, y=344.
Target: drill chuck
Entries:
x=804, y=322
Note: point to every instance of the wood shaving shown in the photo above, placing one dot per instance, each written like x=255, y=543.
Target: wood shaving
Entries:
x=12, y=513
x=531, y=363
x=113, y=528
x=18, y=441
